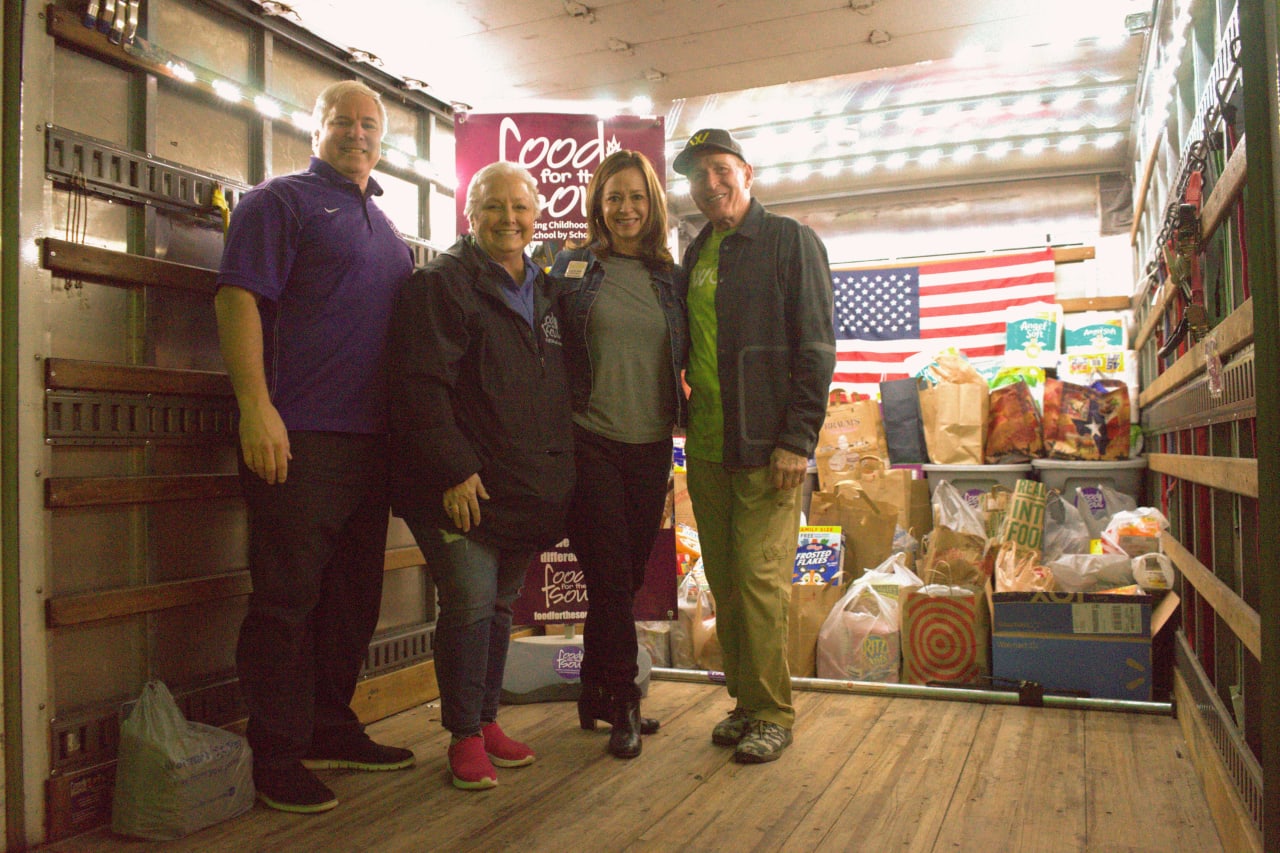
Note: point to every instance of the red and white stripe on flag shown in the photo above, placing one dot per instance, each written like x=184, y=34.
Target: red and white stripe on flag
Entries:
x=887, y=314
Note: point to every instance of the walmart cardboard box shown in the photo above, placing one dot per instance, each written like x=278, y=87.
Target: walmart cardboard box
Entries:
x=1093, y=644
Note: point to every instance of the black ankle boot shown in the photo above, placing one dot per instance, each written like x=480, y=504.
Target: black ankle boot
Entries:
x=624, y=740
x=593, y=705
x=596, y=703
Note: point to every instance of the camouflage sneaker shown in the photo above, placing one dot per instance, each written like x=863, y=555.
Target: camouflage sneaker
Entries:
x=731, y=729
x=762, y=742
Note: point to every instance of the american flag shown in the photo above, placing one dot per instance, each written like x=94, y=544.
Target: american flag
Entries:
x=884, y=315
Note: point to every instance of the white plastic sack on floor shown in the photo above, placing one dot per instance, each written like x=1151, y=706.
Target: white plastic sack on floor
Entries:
x=174, y=777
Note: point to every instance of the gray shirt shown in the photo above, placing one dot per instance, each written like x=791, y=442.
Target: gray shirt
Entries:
x=632, y=399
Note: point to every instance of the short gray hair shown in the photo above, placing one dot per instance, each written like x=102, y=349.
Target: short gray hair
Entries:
x=335, y=92
x=500, y=169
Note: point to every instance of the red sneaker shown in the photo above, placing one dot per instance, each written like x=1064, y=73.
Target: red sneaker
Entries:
x=469, y=765
x=502, y=750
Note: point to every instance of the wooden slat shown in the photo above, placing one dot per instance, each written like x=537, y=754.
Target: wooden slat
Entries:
x=1095, y=303
x=1011, y=750
x=1234, y=824
x=65, y=26
x=1229, y=335
x=379, y=696
x=1242, y=619
x=402, y=558
x=121, y=269
x=1140, y=202
x=1073, y=254
x=63, y=492
x=62, y=611
x=68, y=373
x=1238, y=476
x=1159, y=305
x=1224, y=193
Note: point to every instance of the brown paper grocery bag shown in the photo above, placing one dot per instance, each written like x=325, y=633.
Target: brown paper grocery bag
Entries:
x=823, y=511
x=810, y=604
x=850, y=431
x=868, y=530
x=946, y=635
x=954, y=557
x=955, y=422
x=1024, y=522
x=896, y=488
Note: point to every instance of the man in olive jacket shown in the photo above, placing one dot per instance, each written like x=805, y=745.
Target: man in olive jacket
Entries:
x=762, y=351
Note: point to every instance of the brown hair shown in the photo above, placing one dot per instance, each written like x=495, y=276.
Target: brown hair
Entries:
x=653, y=240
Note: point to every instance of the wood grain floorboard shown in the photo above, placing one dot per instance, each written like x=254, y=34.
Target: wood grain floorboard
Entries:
x=1023, y=783
x=864, y=774
x=897, y=784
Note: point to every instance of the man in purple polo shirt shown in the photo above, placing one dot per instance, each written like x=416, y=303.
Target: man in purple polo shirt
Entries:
x=309, y=273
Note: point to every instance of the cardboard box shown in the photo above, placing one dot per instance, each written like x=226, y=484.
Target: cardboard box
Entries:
x=1085, y=643
x=819, y=555
x=681, y=505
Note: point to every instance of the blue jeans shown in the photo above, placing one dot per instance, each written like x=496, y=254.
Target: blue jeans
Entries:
x=476, y=585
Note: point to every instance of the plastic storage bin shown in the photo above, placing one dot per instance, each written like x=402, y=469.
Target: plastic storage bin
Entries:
x=1123, y=475
x=975, y=480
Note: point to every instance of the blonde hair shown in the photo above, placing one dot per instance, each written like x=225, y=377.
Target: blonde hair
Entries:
x=334, y=92
x=500, y=169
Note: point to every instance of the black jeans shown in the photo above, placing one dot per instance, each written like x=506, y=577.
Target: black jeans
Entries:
x=316, y=546
x=614, y=518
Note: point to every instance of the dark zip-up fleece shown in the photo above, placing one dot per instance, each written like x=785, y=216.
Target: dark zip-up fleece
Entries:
x=474, y=389
x=575, y=298
x=775, y=336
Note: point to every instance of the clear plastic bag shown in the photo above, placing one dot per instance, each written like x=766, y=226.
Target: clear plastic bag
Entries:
x=174, y=777
x=951, y=510
x=1065, y=530
x=1134, y=533
x=1098, y=504
x=693, y=637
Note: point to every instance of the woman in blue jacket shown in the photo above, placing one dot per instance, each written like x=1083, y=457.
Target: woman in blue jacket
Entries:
x=625, y=337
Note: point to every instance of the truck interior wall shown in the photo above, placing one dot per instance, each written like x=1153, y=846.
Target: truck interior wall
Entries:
x=12, y=792
x=80, y=669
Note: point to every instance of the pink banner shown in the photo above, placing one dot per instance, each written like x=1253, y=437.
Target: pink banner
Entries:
x=560, y=151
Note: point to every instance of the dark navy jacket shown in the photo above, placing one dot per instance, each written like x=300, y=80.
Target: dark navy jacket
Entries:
x=474, y=389
x=575, y=298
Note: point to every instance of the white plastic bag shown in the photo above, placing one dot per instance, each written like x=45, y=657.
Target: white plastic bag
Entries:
x=174, y=777
x=1091, y=572
x=860, y=639
x=1134, y=533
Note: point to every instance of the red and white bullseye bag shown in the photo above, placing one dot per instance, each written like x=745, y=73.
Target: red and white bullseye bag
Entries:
x=946, y=635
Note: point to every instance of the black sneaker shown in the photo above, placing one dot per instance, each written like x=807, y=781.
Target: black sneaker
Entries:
x=292, y=788
x=764, y=741
x=355, y=751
